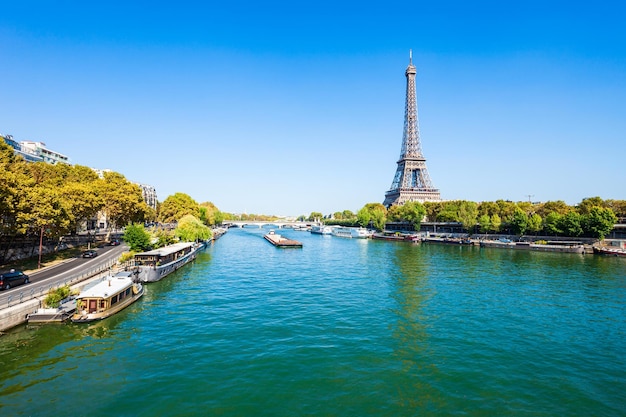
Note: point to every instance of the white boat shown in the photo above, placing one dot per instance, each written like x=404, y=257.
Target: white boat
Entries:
x=321, y=229
x=156, y=264
x=106, y=298
x=351, y=232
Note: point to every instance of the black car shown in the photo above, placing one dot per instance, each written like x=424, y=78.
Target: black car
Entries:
x=90, y=254
x=114, y=242
x=12, y=278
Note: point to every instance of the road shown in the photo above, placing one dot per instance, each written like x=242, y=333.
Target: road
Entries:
x=41, y=281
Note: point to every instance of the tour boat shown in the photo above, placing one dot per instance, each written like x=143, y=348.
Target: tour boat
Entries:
x=351, y=232
x=156, y=264
x=321, y=229
x=106, y=298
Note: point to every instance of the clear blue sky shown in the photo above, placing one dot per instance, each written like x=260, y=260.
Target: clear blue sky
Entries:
x=292, y=107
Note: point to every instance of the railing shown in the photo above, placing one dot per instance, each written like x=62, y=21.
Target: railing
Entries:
x=30, y=293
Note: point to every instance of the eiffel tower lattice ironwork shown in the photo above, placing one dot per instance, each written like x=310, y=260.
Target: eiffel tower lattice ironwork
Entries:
x=411, y=182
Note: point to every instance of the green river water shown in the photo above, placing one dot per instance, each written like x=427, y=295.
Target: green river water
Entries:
x=340, y=327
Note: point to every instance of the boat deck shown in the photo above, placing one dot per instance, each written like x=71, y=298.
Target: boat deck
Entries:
x=281, y=242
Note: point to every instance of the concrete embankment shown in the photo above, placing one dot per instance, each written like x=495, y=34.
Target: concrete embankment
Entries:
x=18, y=314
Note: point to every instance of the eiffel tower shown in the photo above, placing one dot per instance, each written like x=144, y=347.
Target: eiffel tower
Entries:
x=411, y=182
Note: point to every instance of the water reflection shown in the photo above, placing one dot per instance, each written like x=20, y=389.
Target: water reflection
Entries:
x=412, y=349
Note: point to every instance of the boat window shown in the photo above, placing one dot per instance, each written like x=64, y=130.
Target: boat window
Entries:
x=128, y=291
x=114, y=300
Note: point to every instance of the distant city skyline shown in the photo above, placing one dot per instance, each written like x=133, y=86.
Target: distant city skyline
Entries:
x=290, y=108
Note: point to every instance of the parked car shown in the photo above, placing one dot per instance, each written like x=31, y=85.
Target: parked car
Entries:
x=12, y=278
x=90, y=254
x=114, y=242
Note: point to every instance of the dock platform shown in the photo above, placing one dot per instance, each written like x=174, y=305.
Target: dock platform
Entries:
x=282, y=242
x=54, y=315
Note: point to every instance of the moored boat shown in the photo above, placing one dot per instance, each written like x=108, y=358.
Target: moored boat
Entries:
x=351, y=232
x=564, y=247
x=281, y=242
x=156, y=264
x=106, y=298
x=396, y=237
x=321, y=229
x=607, y=250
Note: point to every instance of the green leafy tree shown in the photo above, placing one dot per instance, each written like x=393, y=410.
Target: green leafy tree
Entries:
x=559, y=207
x=484, y=223
x=315, y=216
x=588, y=204
x=347, y=214
x=468, y=214
x=599, y=221
x=137, y=237
x=506, y=210
x=191, y=229
x=374, y=214
x=432, y=210
x=209, y=214
x=123, y=201
x=519, y=222
x=413, y=212
x=552, y=222
x=176, y=206
x=496, y=222
x=535, y=223
x=570, y=224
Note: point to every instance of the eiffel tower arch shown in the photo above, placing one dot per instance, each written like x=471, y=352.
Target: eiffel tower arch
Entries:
x=411, y=182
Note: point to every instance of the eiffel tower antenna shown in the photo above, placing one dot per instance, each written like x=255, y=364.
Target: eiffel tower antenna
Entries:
x=411, y=182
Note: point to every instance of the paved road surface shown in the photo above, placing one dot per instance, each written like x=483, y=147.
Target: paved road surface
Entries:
x=41, y=281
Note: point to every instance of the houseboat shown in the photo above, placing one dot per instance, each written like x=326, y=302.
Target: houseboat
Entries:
x=156, y=264
x=106, y=298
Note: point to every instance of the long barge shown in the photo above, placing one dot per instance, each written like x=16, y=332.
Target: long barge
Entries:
x=281, y=242
x=568, y=247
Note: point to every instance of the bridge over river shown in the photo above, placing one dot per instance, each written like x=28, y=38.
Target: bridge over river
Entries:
x=279, y=224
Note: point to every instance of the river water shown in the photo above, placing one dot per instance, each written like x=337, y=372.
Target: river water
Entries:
x=340, y=327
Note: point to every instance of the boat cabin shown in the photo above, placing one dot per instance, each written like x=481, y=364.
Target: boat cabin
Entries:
x=162, y=256
x=105, y=295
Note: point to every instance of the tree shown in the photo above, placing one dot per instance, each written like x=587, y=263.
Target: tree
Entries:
x=599, y=222
x=551, y=223
x=176, y=206
x=496, y=222
x=534, y=223
x=347, y=214
x=468, y=214
x=588, y=204
x=191, y=229
x=209, y=214
x=123, y=201
x=413, y=212
x=315, y=216
x=485, y=223
x=570, y=224
x=374, y=213
x=519, y=222
x=136, y=237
